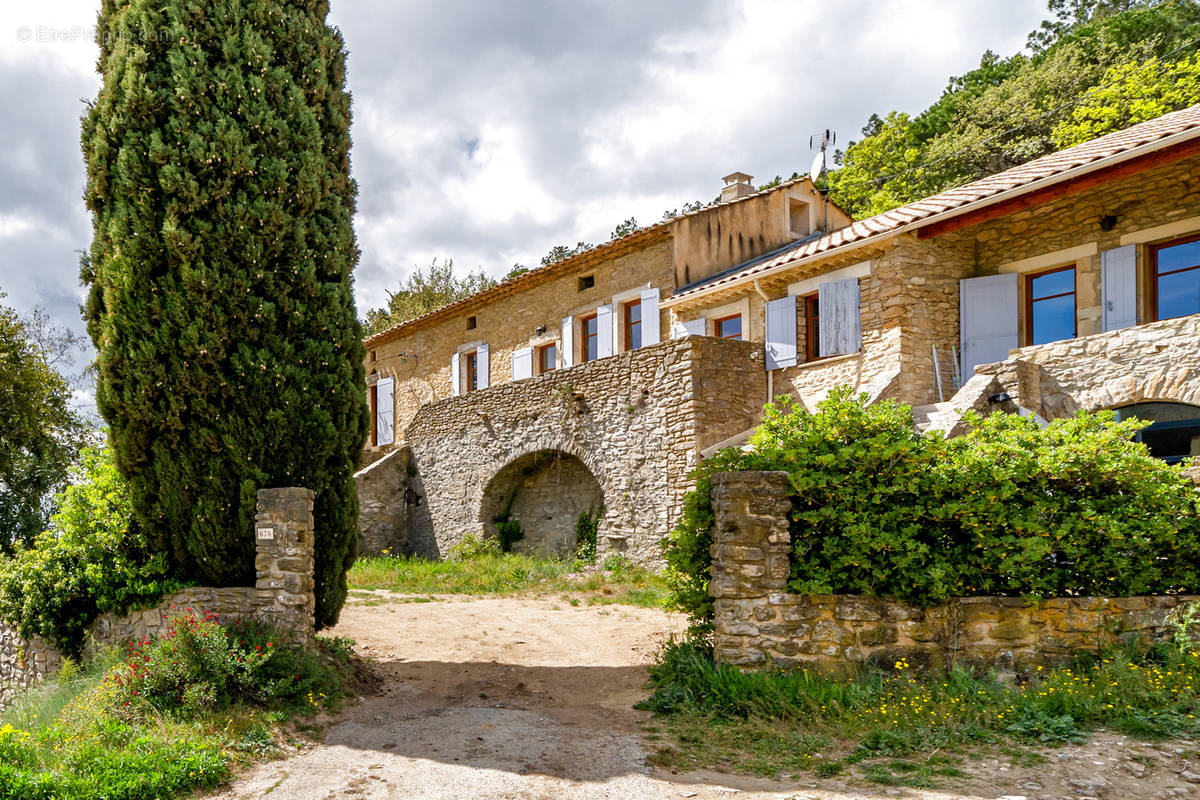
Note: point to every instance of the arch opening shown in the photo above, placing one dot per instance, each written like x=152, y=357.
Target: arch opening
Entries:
x=1174, y=431
x=546, y=492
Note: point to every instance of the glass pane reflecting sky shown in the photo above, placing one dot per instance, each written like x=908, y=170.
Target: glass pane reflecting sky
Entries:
x=1179, y=294
x=1053, y=319
x=1054, y=283
x=1178, y=257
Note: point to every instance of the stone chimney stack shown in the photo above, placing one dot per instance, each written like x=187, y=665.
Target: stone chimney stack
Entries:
x=737, y=184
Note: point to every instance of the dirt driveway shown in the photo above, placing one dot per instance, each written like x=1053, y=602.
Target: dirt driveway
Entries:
x=525, y=699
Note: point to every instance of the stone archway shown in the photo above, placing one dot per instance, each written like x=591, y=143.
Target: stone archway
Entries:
x=1174, y=431
x=546, y=491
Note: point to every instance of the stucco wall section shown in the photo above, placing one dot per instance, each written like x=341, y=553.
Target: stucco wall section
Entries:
x=636, y=421
x=757, y=622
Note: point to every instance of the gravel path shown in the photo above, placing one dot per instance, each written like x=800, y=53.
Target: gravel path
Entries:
x=524, y=699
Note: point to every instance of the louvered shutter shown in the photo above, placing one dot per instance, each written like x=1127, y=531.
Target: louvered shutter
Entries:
x=604, y=331
x=781, y=333
x=841, y=323
x=693, y=327
x=1118, y=287
x=650, y=328
x=987, y=309
x=522, y=363
x=567, y=350
x=481, y=367
x=385, y=404
x=455, y=376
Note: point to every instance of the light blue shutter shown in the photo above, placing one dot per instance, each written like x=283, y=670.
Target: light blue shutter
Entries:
x=781, y=333
x=455, y=380
x=987, y=310
x=650, y=317
x=693, y=327
x=1118, y=287
x=385, y=404
x=841, y=322
x=568, y=342
x=481, y=366
x=604, y=331
x=522, y=363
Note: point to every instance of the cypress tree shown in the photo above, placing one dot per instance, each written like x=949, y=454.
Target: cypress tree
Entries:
x=230, y=355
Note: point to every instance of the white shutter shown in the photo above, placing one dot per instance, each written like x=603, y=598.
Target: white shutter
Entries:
x=604, y=331
x=1118, y=292
x=481, y=366
x=385, y=404
x=568, y=342
x=987, y=311
x=781, y=332
x=650, y=317
x=522, y=363
x=455, y=377
x=693, y=327
x=841, y=323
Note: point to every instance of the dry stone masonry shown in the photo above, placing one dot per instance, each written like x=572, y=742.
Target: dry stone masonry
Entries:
x=283, y=595
x=758, y=622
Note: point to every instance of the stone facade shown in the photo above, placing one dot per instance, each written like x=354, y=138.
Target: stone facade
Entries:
x=283, y=595
x=759, y=623
x=618, y=436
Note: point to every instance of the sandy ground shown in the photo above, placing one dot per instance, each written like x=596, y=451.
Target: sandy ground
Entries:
x=524, y=699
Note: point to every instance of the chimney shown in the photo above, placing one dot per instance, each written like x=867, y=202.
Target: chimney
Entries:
x=737, y=184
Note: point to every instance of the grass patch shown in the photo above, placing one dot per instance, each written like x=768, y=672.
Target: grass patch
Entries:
x=895, y=726
x=171, y=715
x=489, y=573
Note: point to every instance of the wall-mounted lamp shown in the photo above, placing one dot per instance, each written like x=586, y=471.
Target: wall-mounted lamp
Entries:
x=1108, y=222
x=539, y=330
x=1002, y=397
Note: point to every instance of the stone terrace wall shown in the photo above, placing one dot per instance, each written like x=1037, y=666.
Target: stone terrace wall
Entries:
x=759, y=623
x=283, y=595
x=637, y=421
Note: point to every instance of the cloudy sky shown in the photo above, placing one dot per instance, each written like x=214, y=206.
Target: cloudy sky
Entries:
x=488, y=132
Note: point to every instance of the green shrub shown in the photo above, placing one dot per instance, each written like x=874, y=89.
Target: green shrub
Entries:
x=508, y=533
x=472, y=547
x=586, y=528
x=90, y=561
x=1008, y=508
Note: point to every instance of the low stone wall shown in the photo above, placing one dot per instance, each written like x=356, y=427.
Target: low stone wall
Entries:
x=757, y=622
x=283, y=595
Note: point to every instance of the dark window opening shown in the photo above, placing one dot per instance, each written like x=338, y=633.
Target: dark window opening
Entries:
x=471, y=323
x=373, y=401
x=1050, y=306
x=586, y=282
x=812, y=327
x=1176, y=278
x=591, y=338
x=1174, y=431
x=472, y=371
x=633, y=325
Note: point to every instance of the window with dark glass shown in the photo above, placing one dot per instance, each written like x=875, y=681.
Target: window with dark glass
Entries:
x=1176, y=279
x=1051, y=306
x=633, y=325
x=591, y=338
x=812, y=327
x=729, y=327
x=547, y=357
x=472, y=371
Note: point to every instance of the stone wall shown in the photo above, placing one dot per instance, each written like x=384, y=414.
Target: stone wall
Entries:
x=283, y=595
x=392, y=513
x=636, y=422
x=758, y=622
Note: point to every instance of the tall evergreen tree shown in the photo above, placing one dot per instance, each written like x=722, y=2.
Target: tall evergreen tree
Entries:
x=230, y=356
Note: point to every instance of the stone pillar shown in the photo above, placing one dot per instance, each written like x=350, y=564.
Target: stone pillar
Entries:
x=750, y=559
x=284, y=535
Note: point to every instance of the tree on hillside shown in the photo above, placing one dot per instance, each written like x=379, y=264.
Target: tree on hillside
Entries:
x=562, y=252
x=230, y=355
x=424, y=291
x=39, y=435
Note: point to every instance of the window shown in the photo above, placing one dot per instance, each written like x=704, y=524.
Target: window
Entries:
x=1050, y=306
x=1176, y=278
x=471, y=323
x=633, y=325
x=373, y=401
x=472, y=376
x=547, y=358
x=372, y=355
x=812, y=327
x=728, y=327
x=591, y=337
x=586, y=282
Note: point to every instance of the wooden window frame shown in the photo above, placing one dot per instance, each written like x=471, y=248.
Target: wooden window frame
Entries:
x=583, y=337
x=373, y=401
x=1029, y=301
x=1153, y=251
x=741, y=330
x=541, y=350
x=470, y=376
x=628, y=323
x=812, y=327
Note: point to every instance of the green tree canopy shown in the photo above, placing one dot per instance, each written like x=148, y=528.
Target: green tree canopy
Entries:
x=39, y=434
x=427, y=290
x=230, y=355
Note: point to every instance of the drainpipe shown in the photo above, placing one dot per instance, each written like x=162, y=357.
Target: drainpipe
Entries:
x=770, y=373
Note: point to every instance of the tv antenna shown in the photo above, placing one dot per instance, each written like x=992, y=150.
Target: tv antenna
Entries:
x=820, y=167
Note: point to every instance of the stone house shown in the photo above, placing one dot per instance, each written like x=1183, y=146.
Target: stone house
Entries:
x=1072, y=281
